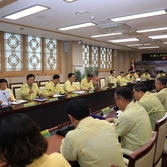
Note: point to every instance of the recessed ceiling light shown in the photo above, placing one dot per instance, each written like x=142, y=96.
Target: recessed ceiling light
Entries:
x=135, y=45
x=70, y=0
x=26, y=12
x=137, y=16
x=154, y=29
x=124, y=40
x=148, y=47
x=158, y=36
x=105, y=35
x=81, y=12
x=77, y=26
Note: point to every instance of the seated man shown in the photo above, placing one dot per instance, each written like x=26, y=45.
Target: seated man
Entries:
x=3, y=86
x=160, y=85
x=29, y=90
x=130, y=77
x=133, y=125
x=146, y=76
x=137, y=74
x=149, y=102
x=93, y=142
x=53, y=87
x=121, y=79
x=112, y=78
x=86, y=83
x=161, y=74
x=70, y=85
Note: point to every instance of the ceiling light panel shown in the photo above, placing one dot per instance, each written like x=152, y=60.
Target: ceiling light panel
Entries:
x=105, y=35
x=70, y=0
x=154, y=29
x=124, y=40
x=149, y=47
x=135, y=45
x=26, y=12
x=137, y=16
x=77, y=26
x=158, y=37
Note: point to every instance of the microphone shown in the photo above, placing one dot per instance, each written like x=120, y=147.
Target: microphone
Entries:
x=6, y=108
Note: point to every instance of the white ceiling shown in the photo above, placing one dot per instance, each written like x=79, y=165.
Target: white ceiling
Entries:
x=62, y=14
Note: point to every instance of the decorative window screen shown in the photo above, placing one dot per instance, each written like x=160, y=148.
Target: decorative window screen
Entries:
x=13, y=52
x=109, y=58
x=95, y=56
x=102, y=58
x=51, y=54
x=34, y=53
x=85, y=55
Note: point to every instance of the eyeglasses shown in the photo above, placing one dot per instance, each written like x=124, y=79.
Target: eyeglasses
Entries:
x=114, y=100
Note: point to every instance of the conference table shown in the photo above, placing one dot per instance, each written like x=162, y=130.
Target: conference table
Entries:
x=52, y=114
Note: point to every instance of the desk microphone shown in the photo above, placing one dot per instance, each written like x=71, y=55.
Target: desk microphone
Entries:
x=9, y=107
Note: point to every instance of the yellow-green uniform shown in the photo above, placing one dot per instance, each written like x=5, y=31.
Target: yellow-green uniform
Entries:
x=86, y=85
x=93, y=143
x=161, y=75
x=145, y=77
x=136, y=76
x=51, y=88
x=10, y=94
x=130, y=78
x=52, y=160
x=162, y=96
x=70, y=87
x=112, y=79
x=133, y=127
x=121, y=80
x=25, y=88
x=153, y=107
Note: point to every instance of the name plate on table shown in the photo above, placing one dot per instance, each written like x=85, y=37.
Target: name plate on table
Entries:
x=91, y=91
x=53, y=99
x=105, y=88
x=29, y=104
x=105, y=110
x=74, y=95
x=45, y=133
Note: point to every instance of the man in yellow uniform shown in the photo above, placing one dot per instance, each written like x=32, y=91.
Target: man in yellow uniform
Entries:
x=161, y=74
x=133, y=125
x=3, y=86
x=112, y=78
x=137, y=74
x=86, y=83
x=121, y=79
x=53, y=87
x=70, y=85
x=93, y=142
x=146, y=76
x=29, y=90
x=149, y=102
x=160, y=84
x=130, y=77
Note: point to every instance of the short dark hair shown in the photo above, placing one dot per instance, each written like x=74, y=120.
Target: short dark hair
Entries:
x=78, y=108
x=112, y=71
x=121, y=72
x=21, y=141
x=146, y=71
x=70, y=75
x=56, y=76
x=161, y=71
x=162, y=80
x=124, y=92
x=140, y=87
x=30, y=75
x=137, y=71
x=3, y=81
x=90, y=75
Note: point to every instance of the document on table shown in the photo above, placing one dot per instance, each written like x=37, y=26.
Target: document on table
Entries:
x=19, y=101
x=79, y=92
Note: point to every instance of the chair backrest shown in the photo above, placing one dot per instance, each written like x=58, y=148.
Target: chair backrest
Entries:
x=36, y=82
x=102, y=82
x=144, y=156
x=161, y=129
x=17, y=93
x=62, y=85
x=43, y=83
x=12, y=85
x=41, y=87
